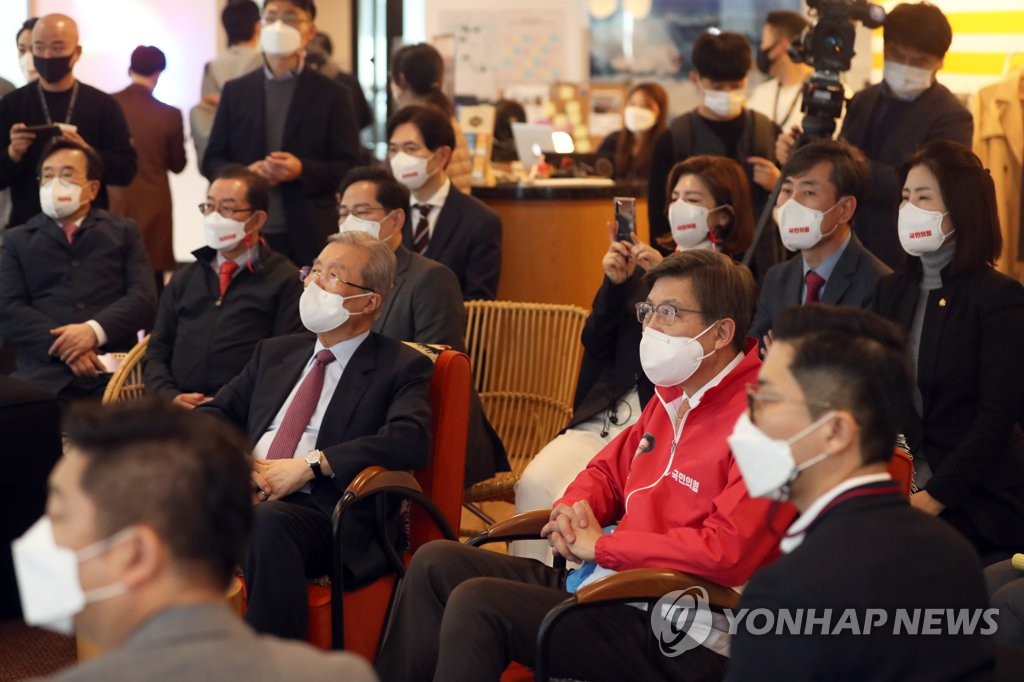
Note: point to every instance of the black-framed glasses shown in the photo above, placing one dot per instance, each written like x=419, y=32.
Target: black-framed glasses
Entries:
x=756, y=394
x=334, y=280
x=208, y=207
x=666, y=314
x=289, y=18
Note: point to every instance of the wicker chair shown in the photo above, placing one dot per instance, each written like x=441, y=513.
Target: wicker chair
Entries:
x=526, y=357
x=126, y=383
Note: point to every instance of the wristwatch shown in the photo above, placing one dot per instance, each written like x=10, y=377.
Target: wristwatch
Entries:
x=313, y=460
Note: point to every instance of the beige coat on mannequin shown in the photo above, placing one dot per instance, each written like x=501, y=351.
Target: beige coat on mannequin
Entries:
x=999, y=142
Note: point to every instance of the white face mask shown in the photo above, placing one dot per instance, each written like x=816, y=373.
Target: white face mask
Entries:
x=689, y=224
x=766, y=463
x=670, y=360
x=321, y=311
x=222, y=234
x=725, y=103
x=28, y=67
x=280, y=40
x=353, y=223
x=920, y=230
x=800, y=227
x=638, y=119
x=906, y=82
x=59, y=198
x=51, y=594
x=410, y=170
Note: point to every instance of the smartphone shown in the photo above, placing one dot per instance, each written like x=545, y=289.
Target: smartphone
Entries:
x=625, y=219
x=44, y=130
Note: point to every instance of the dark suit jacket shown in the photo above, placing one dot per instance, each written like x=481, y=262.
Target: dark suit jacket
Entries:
x=320, y=130
x=159, y=140
x=870, y=552
x=890, y=132
x=467, y=238
x=103, y=275
x=851, y=283
x=426, y=306
x=379, y=414
x=970, y=374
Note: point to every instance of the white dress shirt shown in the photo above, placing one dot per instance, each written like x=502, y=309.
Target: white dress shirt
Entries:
x=436, y=200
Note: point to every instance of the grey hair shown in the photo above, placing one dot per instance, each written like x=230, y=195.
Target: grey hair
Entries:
x=379, y=273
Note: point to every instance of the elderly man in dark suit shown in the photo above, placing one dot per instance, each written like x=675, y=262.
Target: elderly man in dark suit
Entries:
x=319, y=410
x=425, y=304
x=824, y=414
x=443, y=224
x=822, y=185
x=293, y=126
x=74, y=280
x=159, y=139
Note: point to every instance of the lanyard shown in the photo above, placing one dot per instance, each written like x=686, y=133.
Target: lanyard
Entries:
x=71, y=104
x=870, y=490
x=775, y=108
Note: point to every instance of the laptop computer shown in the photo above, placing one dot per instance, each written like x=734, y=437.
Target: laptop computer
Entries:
x=531, y=140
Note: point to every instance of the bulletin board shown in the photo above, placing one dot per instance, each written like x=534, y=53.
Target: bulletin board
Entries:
x=497, y=43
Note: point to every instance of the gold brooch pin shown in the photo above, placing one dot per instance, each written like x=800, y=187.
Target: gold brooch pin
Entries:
x=942, y=303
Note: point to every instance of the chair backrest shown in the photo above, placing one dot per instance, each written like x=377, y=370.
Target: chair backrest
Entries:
x=526, y=357
x=126, y=383
x=441, y=480
x=901, y=468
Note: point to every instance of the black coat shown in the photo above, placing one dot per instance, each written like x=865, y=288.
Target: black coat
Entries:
x=103, y=275
x=611, y=350
x=970, y=374
x=466, y=238
x=869, y=552
x=320, y=129
x=200, y=343
x=890, y=132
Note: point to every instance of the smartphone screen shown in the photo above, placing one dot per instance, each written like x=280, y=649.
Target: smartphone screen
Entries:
x=625, y=219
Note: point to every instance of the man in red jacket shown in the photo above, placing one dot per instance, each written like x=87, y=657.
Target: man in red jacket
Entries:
x=667, y=490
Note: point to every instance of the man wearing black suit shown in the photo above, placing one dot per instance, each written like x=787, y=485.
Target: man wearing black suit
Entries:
x=443, y=224
x=824, y=414
x=75, y=280
x=425, y=304
x=822, y=185
x=293, y=126
x=319, y=411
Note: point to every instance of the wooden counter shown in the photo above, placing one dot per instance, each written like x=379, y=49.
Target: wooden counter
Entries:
x=554, y=239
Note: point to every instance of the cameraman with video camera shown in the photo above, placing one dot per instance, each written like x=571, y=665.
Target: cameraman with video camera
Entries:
x=889, y=121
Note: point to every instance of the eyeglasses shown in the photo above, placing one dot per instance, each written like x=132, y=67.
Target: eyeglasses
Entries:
x=66, y=174
x=289, y=18
x=756, y=394
x=363, y=212
x=334, y=279
x=208, y=207
x=665, y=313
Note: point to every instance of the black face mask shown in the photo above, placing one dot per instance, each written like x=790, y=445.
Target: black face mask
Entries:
x=52, y=69
x=764, y=64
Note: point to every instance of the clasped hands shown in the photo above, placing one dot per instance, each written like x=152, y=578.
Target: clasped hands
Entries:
x=75, y=345
x=278, y=167
x=273, y=479
x=573, y=531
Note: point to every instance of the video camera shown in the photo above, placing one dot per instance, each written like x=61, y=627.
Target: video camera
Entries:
x=828, y=47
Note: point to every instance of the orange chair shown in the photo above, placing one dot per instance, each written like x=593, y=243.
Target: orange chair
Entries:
x=354, y=620
x=901, y=468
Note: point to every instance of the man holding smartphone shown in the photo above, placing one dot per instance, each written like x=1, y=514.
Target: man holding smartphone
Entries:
x=58, y=105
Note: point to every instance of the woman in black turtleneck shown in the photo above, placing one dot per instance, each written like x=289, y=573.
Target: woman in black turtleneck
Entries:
x=965, y=326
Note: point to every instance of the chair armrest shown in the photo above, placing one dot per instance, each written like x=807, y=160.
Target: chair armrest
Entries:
x=371, y=479
x=525, y=526
x=652, y=583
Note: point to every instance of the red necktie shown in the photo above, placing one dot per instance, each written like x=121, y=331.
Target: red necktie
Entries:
x=421, y=235
x=69, y=231
x=227, y=271
x=296, y=419
x=814, y=282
